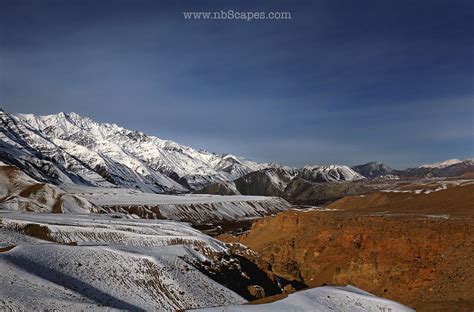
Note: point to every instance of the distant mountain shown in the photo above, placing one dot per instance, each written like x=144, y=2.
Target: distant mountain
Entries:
x=267, y=182
x=462, y=168
x=442, y=164
x=274, y=181
x=68, y=148
x=373, y=170
x=310, y=185
x=304, y=192
x=329, y=173
x=449, y=168
x=315, y=185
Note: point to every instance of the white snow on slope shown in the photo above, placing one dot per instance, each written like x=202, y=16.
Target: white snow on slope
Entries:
x=196, y=208
x=330, y=173
x=134, y=265
x=442, y=164
x=105, y=154
x=323, y=299
x=21, y=192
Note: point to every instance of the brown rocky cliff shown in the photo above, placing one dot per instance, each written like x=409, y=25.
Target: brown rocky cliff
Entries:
x=419, y=261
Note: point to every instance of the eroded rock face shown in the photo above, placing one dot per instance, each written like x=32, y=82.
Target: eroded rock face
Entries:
x=424, y=261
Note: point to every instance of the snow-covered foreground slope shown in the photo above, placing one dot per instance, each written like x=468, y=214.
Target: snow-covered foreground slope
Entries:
x=73, y=262
x=322, y=299
x=93, y=262
x=65, y=148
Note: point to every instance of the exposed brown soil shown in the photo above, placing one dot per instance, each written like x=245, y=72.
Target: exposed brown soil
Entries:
x=38, y=231
x=10, y=171
x=7, y=248
x=455, y=201
x=31, y=189
x=58, y=206
x=269, y=299
x=468, y=175
x=419, y=260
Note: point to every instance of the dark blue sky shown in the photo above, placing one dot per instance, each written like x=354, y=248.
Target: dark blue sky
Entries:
x=341, y=82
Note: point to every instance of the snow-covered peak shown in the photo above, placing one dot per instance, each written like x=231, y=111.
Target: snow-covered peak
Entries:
x=442, y=164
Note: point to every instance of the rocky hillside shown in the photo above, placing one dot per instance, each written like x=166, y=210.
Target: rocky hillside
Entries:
x=443, y=169
x=21, y=192
x=307, y=193
x=268, y=182
x=373, y=170
x=405, y=248
x=307, y=186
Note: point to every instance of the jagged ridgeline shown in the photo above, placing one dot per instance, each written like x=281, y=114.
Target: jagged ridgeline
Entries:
x=68, y=148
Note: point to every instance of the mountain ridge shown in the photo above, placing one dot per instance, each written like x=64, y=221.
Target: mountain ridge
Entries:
x=68, y=148
x=79, y=150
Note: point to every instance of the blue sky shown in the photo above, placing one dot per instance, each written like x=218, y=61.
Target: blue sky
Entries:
x=341, y=82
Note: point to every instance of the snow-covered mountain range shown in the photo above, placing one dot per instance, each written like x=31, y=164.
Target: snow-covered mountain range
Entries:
x=67, y=148
x=70, y=149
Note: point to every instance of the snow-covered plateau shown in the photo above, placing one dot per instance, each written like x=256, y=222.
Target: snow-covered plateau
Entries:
x=194, y=208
